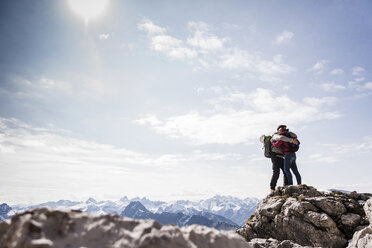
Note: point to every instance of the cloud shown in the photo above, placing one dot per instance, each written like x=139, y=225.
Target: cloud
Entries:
x=313, y=101
x=276, y=66
x=367, y=86
x=239, y=117
x=364, y=145
x=360, y=87
x=172, y=47
x=266, y=70
x=360, y=79
x=358, y=71
x=284, y=37
x=167, y=44
x=103, y=36
x=318, y=68
x=48, y=83
x=51, y=144
x=150, y=27
x=332, y=87
x=39, y=162
x=203, y=49
x=203, y=38
x=337, y=153
x=236, y=59
x=337, y=72
x=130, y=46
x=321, y=158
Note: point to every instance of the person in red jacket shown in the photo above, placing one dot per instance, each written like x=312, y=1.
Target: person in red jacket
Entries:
x=289, y=157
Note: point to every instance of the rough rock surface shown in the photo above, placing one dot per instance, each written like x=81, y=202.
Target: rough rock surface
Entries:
x=43, y=227
x=273, y=243
x=308, y=217
x=363, y=238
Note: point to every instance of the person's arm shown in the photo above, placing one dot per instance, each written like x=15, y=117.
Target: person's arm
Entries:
x=277, y=143
x=277, y=137
x=293, y=135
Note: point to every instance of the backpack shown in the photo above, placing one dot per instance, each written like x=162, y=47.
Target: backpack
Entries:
x=266, y=140
x=293, y=147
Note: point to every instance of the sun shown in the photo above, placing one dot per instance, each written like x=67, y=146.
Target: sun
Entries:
x=88, y=9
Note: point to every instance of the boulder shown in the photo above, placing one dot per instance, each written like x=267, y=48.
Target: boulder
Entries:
x=44, y=228
x=350, y=219
x=368, y=210
x=273, y=243
x=307, y=217
x=363, y=238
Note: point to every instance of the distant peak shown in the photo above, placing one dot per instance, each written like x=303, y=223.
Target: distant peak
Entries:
x=136, y=205
x=4, y=208
x=91, y=200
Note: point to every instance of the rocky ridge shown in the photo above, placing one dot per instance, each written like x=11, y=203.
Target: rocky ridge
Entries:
x=309, y=217
x=44, y=227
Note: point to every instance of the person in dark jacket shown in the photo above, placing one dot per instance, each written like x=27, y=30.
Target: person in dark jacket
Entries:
x=277, y=160
x=289, y=157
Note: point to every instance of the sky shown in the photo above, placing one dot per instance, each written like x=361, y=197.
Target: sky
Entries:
x=167, y=99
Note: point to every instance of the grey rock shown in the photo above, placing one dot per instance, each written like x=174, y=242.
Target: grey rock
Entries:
x=270, y=207
x=44, y=228
x=296, y=190
x=294, y=207
x=202, y=236
x=328, y=205
x=321, y=220
x=362, y=238
x=368, y=210
x=350, y=219
x=273, y=243
x=307, y=217
x=3, y=227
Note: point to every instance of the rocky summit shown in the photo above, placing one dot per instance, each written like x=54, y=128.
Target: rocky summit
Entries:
x=44, y=227
x=312, y=218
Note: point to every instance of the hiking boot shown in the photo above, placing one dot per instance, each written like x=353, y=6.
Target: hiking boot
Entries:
x=271, y=190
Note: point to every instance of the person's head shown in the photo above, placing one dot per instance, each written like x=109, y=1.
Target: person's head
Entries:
x=281, y=128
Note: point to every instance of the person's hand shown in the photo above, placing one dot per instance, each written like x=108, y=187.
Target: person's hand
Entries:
x=293, y=135
x=295, y=141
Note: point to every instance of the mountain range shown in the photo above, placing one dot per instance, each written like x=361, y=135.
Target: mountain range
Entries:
x=136, y=210
x=221, y=212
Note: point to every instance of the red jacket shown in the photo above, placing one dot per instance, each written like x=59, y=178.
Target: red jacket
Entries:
x=281, y=144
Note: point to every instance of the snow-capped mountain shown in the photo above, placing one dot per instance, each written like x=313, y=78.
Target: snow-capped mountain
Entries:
x=232, y=208
x=136, y=210
x=6, y=212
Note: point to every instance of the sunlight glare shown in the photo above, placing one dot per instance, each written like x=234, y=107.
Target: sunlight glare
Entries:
x=88, y=9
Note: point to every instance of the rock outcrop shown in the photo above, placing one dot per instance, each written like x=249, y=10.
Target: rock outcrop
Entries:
x=43, y=227
x=273, y=243
x=308, y=217
x=363, y=238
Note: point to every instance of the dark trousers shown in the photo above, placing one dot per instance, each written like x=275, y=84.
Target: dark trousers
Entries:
x=290, y=163
x=278, y=164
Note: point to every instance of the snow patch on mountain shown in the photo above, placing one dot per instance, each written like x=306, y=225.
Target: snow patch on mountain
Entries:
x=232, y=208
